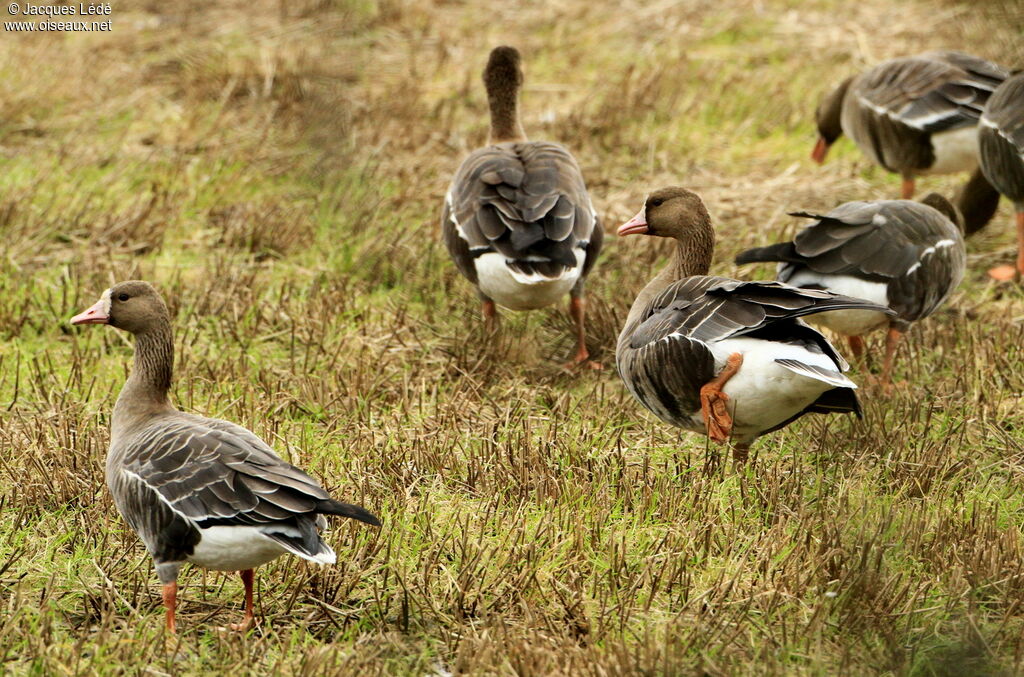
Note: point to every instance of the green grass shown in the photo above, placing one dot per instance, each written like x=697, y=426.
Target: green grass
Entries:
x=278, y=170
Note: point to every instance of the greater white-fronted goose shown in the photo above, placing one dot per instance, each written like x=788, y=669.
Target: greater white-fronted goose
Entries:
x=908, y=256
x=727, y=358
x=917, y=115
x=1001, y=137
x=198, y=489
x=517, y=219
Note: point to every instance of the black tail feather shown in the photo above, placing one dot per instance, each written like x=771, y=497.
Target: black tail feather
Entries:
x=783, y=251
x=841, y=400
x=332, y=507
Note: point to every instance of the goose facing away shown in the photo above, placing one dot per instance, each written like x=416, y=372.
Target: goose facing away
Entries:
x=720, y=356
x=1001, y=137
x=917, y=115
x=908, y=256
x=198, y=489
x=517, y=219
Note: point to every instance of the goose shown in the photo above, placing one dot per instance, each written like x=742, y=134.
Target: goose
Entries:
x=727, y=358
x=907, y=256
x=198, y=489
x=1001, y=138
x=517, y=219
x=917, y=115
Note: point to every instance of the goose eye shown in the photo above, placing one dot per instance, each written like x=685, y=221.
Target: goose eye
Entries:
x=122, y=297
x=656, y=202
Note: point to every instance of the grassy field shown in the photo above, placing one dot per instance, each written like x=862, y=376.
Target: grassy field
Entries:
x=277, y=169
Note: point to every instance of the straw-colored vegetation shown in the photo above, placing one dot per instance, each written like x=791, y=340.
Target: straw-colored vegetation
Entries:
x=277, y=169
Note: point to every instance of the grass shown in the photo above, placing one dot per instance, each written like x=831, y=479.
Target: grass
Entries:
x=277, y=169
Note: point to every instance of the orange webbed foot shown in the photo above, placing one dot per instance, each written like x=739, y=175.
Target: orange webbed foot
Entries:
x=246, y=625
x=716, y=415
x=1005, y=273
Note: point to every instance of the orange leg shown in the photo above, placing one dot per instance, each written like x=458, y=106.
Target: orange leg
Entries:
x=892, y=339
x=170, y=595
x=1008, y=273
x=250, y=616
x=856, y=347
x=490, y=313
x=713, y=401
x=1020, y=244
x=578, y=312
x=907, y=188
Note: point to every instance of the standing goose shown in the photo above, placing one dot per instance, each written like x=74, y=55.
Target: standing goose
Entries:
x=1001, y=137
x=198, y=489
x=517, y=219
x=917, y=115
x=906, y=255
x=720, y=356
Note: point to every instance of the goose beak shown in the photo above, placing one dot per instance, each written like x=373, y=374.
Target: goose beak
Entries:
x=636, y=225
x=820, y=151
x=97, y=314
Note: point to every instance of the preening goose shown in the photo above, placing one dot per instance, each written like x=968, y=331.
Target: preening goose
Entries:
x=517, y=219
x=198, y=489
x=906, y=255
x=917, y=115
x=720, y=356
x=1001, y=137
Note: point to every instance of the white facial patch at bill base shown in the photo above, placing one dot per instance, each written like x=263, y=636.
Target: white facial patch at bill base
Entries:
x=105, y=299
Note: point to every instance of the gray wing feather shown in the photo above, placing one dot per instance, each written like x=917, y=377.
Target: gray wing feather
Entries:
x=1001, y=139
x=707, y=309
x=831, y=376
x=913, y=248
x=933, y=92
x=664, y=358
x=213, y=471
x=526, y=201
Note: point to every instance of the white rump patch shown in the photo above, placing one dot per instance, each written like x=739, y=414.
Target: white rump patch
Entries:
x=847, y=322
x=764, y=393
x=513, y=290
x=226, y=548
x=955, y=151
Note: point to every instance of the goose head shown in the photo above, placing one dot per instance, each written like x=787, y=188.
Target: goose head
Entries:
x=946, y=208
x=828, y=120
x=134, y=306
x=670, y=212
x=504, y=72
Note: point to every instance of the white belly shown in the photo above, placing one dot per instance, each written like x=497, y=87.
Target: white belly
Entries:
x=234, y=549
x=763, y=393
x=516, y=291
x=955, y=151
x=847, y=322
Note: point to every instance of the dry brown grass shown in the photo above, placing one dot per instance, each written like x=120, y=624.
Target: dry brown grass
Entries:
x=277, y=169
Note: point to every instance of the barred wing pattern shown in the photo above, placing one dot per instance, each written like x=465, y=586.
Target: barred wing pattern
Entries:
x=892, y=110
x=663, y=356
x=526, y=201
x=1001, y=139
x=185, y=473
x=911, y=247
x=935, y=92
